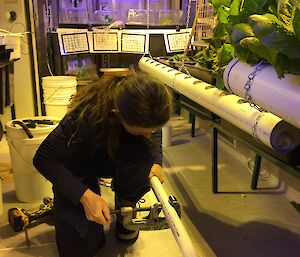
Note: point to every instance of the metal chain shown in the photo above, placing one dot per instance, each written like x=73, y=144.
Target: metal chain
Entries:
x=188, y=15
x=148, y=13
x=48, y=15
x=182, y=67
x=249, y=83
x=248, y=97
x=255, y=125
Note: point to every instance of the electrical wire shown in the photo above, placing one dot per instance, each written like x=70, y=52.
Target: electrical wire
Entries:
x=22, y=38
x=17, y=34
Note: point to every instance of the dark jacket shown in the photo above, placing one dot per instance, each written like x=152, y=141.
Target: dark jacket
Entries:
x=73, y=166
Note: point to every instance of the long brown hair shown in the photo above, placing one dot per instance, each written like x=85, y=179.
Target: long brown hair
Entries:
x=141, y=101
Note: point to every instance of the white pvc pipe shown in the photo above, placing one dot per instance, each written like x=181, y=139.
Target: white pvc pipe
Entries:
x=266, y=127
x=180, y=234
x=280, y=96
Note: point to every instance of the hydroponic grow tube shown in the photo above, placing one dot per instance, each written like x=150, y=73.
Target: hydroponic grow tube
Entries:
x=266, y=127
x=280, y=96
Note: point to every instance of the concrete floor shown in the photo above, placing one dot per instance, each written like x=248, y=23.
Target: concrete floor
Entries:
x=237, y=222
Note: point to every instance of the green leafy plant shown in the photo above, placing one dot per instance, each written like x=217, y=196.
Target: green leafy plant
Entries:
x=262, y=30
x=217, y=54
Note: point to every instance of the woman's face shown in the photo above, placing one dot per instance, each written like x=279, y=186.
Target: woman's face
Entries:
x=139, y=131
x=135, y=130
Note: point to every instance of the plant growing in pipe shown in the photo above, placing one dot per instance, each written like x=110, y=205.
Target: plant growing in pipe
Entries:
x=266, y=30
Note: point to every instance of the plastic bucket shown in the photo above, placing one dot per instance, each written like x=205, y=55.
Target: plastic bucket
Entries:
x=56, y=80
x=30, y=185
x=57, y=108
x=65, y=93
x=58, y=87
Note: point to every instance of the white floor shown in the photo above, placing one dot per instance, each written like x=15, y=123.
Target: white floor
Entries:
x=238, y=222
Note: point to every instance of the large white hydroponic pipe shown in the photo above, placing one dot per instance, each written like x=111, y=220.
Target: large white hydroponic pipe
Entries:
x=180, y=234
x=280, y=96
x=266, y=127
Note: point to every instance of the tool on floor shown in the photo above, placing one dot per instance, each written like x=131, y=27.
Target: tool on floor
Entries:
x=20, y=219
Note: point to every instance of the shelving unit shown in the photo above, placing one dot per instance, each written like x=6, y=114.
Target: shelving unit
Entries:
x=7, y=88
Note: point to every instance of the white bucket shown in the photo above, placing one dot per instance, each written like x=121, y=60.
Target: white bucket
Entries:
x=57, y=80
x=56, y=91
x=65, y=93
x=30, y=185
x=58, y=108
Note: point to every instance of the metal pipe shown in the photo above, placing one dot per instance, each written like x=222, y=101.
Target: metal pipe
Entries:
x=180, y=234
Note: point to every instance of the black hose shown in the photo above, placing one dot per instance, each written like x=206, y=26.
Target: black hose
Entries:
x=24, y=127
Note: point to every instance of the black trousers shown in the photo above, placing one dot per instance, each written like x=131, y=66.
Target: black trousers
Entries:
x=75, y=235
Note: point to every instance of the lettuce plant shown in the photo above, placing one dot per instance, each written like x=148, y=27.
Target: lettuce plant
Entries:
x=262, y=30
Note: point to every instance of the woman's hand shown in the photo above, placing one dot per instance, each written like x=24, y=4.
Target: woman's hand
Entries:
x=157, y=170
x=95, y=207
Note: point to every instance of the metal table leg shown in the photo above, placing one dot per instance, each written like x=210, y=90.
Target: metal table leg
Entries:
x=215, y=160
x=193, y=119
x=256, y=170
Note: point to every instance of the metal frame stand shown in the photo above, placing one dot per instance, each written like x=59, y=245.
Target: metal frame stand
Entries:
x=258, y=158
x=197, y=110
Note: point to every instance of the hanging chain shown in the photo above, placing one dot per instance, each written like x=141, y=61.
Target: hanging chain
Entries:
x=255, y=125
x=249, y=83
x=259, y=67
x=48, y=15
x=182, y=67
x=188, y=15
x=148, y=13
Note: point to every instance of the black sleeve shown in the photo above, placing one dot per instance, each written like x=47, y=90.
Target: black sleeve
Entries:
x=156, y=147
x=50, y=160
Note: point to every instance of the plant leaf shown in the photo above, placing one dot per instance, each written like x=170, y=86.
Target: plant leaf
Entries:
x=290, y=65
x=255, y=46
x=235, y=7
x=240, y=31
x=219, y=3
x=219, y=81
x=220, y=30
x=256, y=6
x=273, y=36
x=223, y=14
x=285, y=13
x=225, y=54
x=296, y=23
